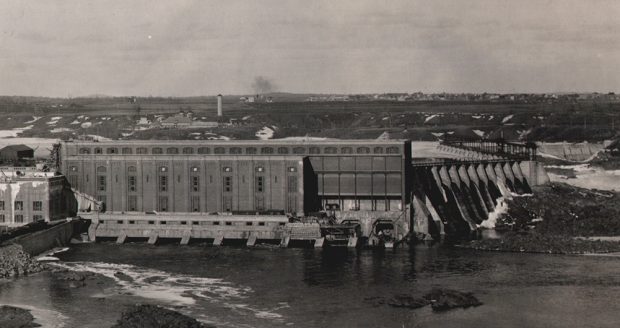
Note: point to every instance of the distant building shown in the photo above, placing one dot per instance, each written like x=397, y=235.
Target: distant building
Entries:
x=176, y=121
x=16, y=153
x=28, y=195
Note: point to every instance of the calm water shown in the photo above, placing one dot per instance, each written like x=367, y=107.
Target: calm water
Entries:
x=272, y=287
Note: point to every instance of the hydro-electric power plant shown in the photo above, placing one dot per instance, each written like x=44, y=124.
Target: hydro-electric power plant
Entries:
x=347, y=192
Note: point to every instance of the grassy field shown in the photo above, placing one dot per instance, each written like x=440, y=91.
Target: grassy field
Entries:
x=289, y=115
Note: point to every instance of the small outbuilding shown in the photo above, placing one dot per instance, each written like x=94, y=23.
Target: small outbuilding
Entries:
x=16, y=153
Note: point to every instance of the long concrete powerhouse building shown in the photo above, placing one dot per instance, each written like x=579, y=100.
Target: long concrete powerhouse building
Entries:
x=240, y=176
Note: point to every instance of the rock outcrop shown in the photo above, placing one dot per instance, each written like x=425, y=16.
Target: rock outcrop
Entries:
x=151, y=316
x=14, y=317
x=15, y=262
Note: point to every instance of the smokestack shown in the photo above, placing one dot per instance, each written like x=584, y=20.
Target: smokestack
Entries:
x=219, y=105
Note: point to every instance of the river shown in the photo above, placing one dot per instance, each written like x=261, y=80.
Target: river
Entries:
x=273, y=287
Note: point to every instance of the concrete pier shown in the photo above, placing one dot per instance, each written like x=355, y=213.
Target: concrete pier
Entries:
x=251, y=241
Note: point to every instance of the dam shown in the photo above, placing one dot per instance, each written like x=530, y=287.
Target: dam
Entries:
x=341, y=192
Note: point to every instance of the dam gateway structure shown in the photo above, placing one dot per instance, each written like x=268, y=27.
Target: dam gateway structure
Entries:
x=346, y=192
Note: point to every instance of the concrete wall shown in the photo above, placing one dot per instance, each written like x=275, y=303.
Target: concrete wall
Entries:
x=571, y=151
x=40, y=241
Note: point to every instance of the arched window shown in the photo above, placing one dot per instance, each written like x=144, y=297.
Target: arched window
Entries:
x=282, y=150
x=172, y=150
x=299, y=150
x=141, y=151
x=266, y=150
x=111, y=150
x=235, y=150
x=204, y=150
x=330, y=150
x=392, y=150
x=250, y=150
x=101, y=169
x=219, y=150
x=127, y=150
x=363, y=150
x=84, y=150
x=188, y=150
x=378, y=150
x=346, y=150
x=98, y=151
x=157, y=151
x=315, y=150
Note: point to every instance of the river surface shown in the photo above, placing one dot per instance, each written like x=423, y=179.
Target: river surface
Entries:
x=273, y=287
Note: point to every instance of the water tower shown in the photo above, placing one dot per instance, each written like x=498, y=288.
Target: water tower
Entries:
x=219, y=105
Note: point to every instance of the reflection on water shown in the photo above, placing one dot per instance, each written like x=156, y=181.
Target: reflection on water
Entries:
x=240, y=287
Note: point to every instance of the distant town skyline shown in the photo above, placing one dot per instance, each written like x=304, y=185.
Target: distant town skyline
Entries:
x=192, y=48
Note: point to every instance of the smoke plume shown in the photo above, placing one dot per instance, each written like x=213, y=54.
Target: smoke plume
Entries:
x=262, y=85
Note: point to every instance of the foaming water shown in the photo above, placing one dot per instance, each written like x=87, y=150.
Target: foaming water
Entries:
x=179, y=290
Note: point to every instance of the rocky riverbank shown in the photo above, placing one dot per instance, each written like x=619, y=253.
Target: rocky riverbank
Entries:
x=554, y=219
x=15, y=262
x=151, y=316
x=14, y=317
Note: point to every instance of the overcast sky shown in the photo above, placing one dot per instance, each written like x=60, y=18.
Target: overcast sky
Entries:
x=176, y=48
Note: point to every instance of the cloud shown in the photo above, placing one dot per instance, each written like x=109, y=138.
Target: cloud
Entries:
x=198, y=47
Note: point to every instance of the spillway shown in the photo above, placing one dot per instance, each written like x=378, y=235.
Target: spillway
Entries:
x=453, y=199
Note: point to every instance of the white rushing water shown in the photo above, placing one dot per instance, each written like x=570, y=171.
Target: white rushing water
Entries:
x=588, y=177
x=175, y=289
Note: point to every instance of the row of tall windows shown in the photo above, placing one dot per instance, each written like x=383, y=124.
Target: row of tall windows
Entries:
x=239, y=150
x=18, y=205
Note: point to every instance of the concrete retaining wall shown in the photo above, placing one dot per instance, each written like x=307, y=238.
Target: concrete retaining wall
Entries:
x=38, y=242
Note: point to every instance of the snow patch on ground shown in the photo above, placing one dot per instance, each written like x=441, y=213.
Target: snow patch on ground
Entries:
x=58, y=130
x=476, y=117
x=96, y=137
x=14, y=132
x=213, y=136
x=426, y=120
x=75, y=122
x=479, y=132
x=245, y=118
x=86, y=125
x=54, y=120
x=437, y=134
x=507, y=118
x=265, y=133
x=34, y=119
